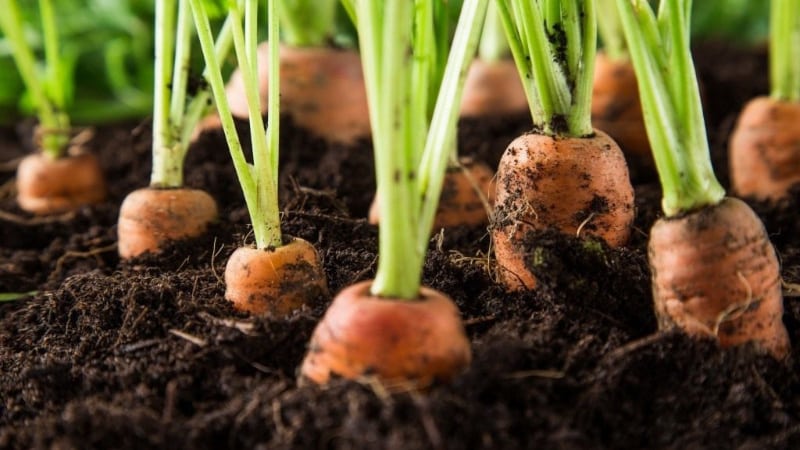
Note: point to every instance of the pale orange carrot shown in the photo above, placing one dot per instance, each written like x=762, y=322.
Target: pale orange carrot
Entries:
x=493, y=88
x=49, y=186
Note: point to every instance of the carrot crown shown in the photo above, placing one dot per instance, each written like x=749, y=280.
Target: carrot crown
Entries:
x=307, y=23
x=398, y=40
x=554, y=44
x=49, y=93
x=259, y=180
x=175, y=116
x=785, y=49
x=673, y=113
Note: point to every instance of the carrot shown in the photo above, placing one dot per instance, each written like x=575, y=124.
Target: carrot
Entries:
x=568, y=184
x=715, y=274
x=765, y=145
x=565, y=175
x=714, y=271
x=274, y=281
x=323, y=90
x=616, y=109
x=467, y=195
x=50, y=186
x=393, y=339
x=150, y=218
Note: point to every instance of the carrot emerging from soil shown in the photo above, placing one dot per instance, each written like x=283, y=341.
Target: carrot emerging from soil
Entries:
x=568, y=184
x=714, y=271
x=737, y=305
x=493, y=89
x=274, y=281
x=395, y=340
x=150, y=218
x=51, y=186
x=323, y=91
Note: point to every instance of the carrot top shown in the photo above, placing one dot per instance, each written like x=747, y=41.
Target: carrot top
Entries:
x=609, y=27
x=673, y=113
x=259, y=181
x=49, y=92
x=398, y=45
x=308, y=23
x=784, y=46
x=493, y=45
x=554, y=43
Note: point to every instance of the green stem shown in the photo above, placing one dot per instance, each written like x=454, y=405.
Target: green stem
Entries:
x=162, y=90
x=493, y=46
x=584, y=41
x=610, y=30
x=785, y=49
x=661, y=57
x=308, y=23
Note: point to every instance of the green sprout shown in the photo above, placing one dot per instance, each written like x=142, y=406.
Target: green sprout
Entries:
x=784, y=50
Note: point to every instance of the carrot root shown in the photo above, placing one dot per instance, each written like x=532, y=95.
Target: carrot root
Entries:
x=274, y=281
x=398, y=341
x=150, y=218
x=47, y=186
x=493, y=88
x=577, y=186
x=765, y=149
x=716, y=274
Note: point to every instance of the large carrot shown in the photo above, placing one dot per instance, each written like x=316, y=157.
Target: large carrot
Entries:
x=714, y=271
x=279, y=275
x=166, y=211
x=55, y=180
x=565, y=175
x=323, y=87
x=391, y=328
x=765, y=146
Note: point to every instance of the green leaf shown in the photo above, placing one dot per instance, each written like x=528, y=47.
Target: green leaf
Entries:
x=14, y=296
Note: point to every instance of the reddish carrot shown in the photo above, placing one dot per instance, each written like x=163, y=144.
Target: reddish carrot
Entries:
x=714, y=271
x=565, y=176
x=150, y=218
x=49, y=186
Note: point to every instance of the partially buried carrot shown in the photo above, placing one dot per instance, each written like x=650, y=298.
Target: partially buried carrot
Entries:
x=714, y=271
x=565, y=175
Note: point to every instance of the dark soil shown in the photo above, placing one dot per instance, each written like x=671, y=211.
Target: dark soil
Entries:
x=147, y=354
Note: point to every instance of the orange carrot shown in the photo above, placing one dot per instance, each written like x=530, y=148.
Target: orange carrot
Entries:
x=274, y=281
x=616, y=109
x=715, y=274
x=150, y=218
x=493, y=88
x=765, y=149
x=420, y=341
x=578, y=186
x=467, y=193
x=322, y=90
x=50, y=186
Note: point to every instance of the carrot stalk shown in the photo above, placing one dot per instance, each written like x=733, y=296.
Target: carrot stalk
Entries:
x=784, y=42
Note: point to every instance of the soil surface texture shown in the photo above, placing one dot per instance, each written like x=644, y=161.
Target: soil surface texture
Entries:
x=148, y=354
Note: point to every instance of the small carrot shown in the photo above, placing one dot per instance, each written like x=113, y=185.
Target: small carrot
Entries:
x=278, y=275
x=396, y=340
x=765, y=145
x=392, y=328
x=467, y=196
x=274, y=281
x=714, y=271
x=566, y=175
x=150, y=218
x=323, y=88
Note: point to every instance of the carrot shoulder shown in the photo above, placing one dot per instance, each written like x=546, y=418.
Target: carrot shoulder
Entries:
x=765, y=149
x=493, y=88
x=50, y=186
x=578, y=186
x=150, y=218
x=399, y=341
x=716, y=274
x=274, y=281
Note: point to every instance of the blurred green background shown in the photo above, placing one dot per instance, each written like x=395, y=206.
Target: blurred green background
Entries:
x=108, y=46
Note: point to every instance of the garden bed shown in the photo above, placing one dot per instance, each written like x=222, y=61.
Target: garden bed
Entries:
x=147, y=354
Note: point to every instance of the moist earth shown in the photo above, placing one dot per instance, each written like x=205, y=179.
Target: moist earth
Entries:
x=147, y=354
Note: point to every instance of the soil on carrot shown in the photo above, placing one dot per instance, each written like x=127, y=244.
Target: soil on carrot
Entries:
x=147, y=354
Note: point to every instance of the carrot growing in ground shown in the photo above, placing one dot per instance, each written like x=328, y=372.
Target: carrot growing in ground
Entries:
x=493, y=87
x=166, y=211
x=390, y=327
x=323, y=87
x=765, y=146
x=466, y=194
x=616, y=108
x=564, y=175
x=714, y=270
x=281, y=273
x=62, y=177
